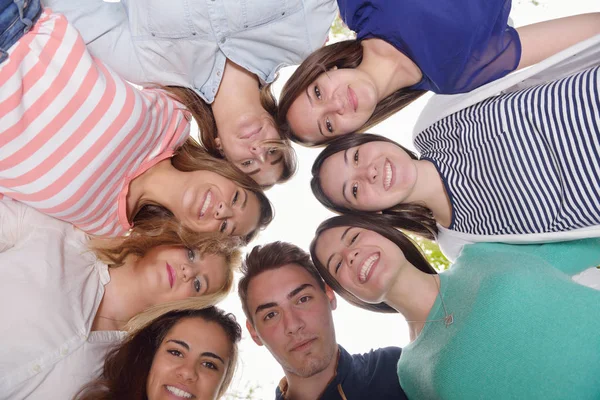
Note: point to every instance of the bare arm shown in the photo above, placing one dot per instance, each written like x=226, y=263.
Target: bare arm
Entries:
x=544, y=39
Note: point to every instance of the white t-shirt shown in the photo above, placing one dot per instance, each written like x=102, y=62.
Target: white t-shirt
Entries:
x=50, y=291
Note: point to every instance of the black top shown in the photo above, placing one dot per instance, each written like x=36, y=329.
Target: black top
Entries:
x=362, y=376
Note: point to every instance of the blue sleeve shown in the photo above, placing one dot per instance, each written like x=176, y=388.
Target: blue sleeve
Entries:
x=105, y=29
x=459, y=45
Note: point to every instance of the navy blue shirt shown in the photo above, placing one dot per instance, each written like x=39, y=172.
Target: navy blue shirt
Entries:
x=459, y=45
x=363, y=376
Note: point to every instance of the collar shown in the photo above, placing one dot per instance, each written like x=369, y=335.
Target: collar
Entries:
x=343, y=362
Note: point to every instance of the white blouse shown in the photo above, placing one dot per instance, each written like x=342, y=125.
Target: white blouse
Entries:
x=50, y=291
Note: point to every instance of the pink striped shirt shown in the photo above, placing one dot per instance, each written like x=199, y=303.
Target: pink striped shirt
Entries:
x=73, y=134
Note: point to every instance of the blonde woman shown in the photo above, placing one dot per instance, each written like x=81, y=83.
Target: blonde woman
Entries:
x=65, y=306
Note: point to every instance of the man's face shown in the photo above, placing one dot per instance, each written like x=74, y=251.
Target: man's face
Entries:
x=292, y=317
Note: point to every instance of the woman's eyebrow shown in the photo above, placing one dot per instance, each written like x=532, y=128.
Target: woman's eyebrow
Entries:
x=212, y=355
x=180, y=342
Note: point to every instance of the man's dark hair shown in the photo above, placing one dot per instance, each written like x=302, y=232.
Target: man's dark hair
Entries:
x=272, y=256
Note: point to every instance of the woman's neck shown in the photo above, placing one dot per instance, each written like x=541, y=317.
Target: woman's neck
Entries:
x=389, y=69
x=238, y=95
x=121, y=300
x=430, y=191
x=413, y=294
x=160, y=184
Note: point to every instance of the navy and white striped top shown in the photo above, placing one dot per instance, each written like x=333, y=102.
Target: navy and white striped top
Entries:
x=522, y=162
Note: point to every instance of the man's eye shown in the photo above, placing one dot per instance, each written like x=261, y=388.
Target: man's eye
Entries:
x=269, y=316
x=191, y=255
x=223, y=227
x=197, y=285
x=303, y=299
x=356, y=157
x=317, y=92
x=235, y=197
x=329, y=126
x=247, y=163
x=355, y=190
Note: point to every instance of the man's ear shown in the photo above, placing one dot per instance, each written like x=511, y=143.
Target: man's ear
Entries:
x=253, y=333
x=331, y=296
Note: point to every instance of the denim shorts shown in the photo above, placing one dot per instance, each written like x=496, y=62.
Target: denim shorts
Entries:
x=16, y=19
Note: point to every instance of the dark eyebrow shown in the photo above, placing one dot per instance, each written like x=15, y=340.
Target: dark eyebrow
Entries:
x=307, y=95
x=242, y=207
x=344, y=185
x=298, y=290
x=289, y=296
x=256, y=171
x=277, y=161
x=207, y=283
x=265, y=306
x=213, y=355
x=181, y=343
x=341, y=239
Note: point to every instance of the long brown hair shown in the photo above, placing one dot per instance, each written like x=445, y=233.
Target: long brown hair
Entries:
x=204, y=117
x=345, y=54
x=127, y=366
x=192, y=157
x=411, y=217
x=411, y=251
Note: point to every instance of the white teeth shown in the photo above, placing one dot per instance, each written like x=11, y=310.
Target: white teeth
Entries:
x=206, y=204
x=388, y=176
x=178, y=392
x=366, y=267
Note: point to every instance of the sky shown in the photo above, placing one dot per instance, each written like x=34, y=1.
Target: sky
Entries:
x=297, y=214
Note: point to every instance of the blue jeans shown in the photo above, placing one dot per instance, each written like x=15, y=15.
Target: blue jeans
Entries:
x=16, y=19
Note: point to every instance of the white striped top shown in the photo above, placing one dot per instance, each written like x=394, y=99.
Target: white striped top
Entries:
x=73, y=134
x=524, y=162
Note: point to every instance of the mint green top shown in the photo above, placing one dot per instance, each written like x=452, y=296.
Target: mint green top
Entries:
x=522, y=328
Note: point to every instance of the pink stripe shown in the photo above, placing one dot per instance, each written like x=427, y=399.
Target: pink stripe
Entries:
x=34, y=75
x=109, y=194
x=53, y=128
x=102, y=142
x=140, y=169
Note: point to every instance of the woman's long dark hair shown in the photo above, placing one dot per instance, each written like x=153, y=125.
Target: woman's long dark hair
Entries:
x=345, y=54
x=127, y=366
x=192, y=157
x=412, y=217
x=411, y=251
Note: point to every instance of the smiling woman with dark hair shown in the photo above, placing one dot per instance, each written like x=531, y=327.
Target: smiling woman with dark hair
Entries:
x=181, y=354
x=490, y=325
x=405, y=48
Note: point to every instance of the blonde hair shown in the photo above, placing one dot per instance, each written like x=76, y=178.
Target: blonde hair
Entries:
x=192, y=157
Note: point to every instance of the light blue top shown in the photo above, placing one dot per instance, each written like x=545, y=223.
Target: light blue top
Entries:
x=187, y=42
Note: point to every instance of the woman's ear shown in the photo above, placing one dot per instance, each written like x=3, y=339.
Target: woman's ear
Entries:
x=219, y=146
x=333, y=68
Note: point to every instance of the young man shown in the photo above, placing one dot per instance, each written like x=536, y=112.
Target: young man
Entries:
x=289, y=310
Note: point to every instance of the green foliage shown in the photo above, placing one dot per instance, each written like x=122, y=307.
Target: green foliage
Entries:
x=432, y=253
